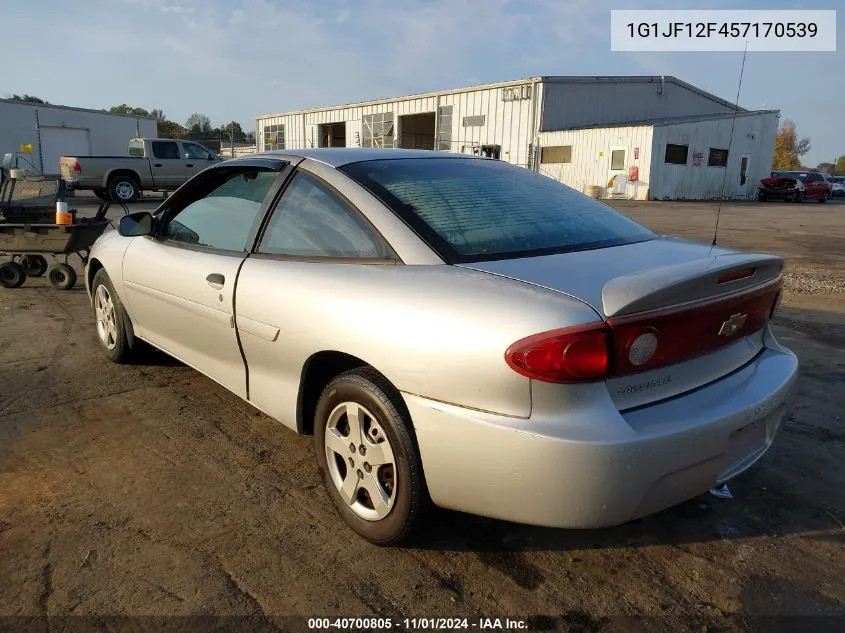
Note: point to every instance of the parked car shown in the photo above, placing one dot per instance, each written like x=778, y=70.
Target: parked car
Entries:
x=837, y=186
x=152, y=164
x=456, y=327
x=795, y=186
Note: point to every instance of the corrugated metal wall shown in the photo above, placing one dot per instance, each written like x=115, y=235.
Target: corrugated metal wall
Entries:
x=581, y=103
x=753, y=136
x=591, y=150
x=108, y=134
x=506, y=122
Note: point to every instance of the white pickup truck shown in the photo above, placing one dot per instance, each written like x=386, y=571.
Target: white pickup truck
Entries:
x=152, y=164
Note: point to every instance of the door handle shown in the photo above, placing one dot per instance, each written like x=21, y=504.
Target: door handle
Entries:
x=157, y=165
x=189, y=164
x=216, y=280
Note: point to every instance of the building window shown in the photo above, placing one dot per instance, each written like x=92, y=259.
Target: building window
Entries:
x=617, y=160
x=475, y=121
x=444, y=128
x=377, y=130
x=274, y=137
x=556, y=154
x=676, y=154
x=717, y=158
x=491, y=151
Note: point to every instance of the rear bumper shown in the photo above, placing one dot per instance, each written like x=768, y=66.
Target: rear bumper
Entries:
x=553, y=473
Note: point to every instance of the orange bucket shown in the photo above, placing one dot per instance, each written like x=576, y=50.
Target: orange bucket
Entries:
x=63, y=216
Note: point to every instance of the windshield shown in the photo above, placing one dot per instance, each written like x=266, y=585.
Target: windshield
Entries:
x=474, y=210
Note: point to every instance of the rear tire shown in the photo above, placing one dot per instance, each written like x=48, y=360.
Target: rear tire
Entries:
x=12, y=275
x=34, y=265
x=385, y=431
x=61, y=276
x=124, y=189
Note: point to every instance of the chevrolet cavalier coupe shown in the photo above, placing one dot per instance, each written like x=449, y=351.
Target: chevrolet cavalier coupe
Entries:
x=456, y=329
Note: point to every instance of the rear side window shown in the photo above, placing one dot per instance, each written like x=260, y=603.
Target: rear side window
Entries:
x=224, y=218
x=474, y=210
x=165, y=150
x=311, y=220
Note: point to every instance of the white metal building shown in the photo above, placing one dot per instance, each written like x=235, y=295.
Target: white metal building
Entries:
x=570, y=128
x=55, y=131
x=677, y=158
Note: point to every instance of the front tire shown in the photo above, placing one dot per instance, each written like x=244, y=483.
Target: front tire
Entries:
x=825, y=197
x=110, y=319
x=368, y=458
x=124, y=189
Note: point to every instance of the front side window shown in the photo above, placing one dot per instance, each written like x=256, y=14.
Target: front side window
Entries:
x=223, y=219
x=474, y=210
x=194, y=151
x=165, y=150
x=313, y=221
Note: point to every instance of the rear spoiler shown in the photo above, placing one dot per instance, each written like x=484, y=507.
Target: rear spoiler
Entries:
x=691, y=282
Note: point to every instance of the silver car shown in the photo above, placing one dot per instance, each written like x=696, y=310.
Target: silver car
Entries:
x=456, y=329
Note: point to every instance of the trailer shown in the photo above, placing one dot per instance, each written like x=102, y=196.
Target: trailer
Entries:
x=29, y=233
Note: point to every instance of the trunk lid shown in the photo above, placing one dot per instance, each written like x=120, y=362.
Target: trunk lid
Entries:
x=706, y=305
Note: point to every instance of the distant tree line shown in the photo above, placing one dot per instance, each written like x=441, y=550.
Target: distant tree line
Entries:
x=197, y=127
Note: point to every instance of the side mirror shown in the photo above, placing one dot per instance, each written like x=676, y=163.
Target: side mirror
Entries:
x=136, y=224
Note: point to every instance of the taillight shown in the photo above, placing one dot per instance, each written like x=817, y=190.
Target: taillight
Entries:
x=641, y=342
x=776, y=305
x=649, y=341
x=77, y=168
x=567, y=355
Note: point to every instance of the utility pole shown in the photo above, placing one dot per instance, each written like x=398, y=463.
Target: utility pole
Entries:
x=232, y=138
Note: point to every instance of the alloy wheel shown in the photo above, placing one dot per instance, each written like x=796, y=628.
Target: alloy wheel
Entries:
x=106, y=322
x=360, y=461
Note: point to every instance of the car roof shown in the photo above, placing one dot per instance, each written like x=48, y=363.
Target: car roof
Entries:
x=339, y=156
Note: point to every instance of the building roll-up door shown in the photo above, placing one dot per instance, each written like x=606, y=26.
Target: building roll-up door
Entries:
x=62, y=141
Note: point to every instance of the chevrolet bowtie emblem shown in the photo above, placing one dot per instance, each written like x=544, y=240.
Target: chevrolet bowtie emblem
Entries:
x=733, y=325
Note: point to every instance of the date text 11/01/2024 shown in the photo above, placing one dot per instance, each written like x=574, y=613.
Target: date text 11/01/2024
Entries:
x=724, y=29
x=417, y=624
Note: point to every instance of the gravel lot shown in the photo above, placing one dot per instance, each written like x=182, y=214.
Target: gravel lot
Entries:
x=149, y=490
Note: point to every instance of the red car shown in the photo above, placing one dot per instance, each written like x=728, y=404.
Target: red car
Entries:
x=795, y=186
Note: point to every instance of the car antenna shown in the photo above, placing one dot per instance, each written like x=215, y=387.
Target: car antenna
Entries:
x=730, y=142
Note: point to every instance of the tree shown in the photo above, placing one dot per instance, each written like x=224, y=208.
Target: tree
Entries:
x=170, y=129
x=788, y=148
x=825, y=167
x=233, y=129
x=28, y=99
x=840, y=166
x=198, y=126
x=158, y=115
x=250, y=137
x=126, y=109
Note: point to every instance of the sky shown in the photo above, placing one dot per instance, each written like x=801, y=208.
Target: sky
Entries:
x=236, y=59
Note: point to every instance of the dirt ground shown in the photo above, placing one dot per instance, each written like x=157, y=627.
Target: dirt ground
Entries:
x=149, y=490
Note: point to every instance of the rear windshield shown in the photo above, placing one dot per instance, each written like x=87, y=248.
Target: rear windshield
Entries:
x=476, y=210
